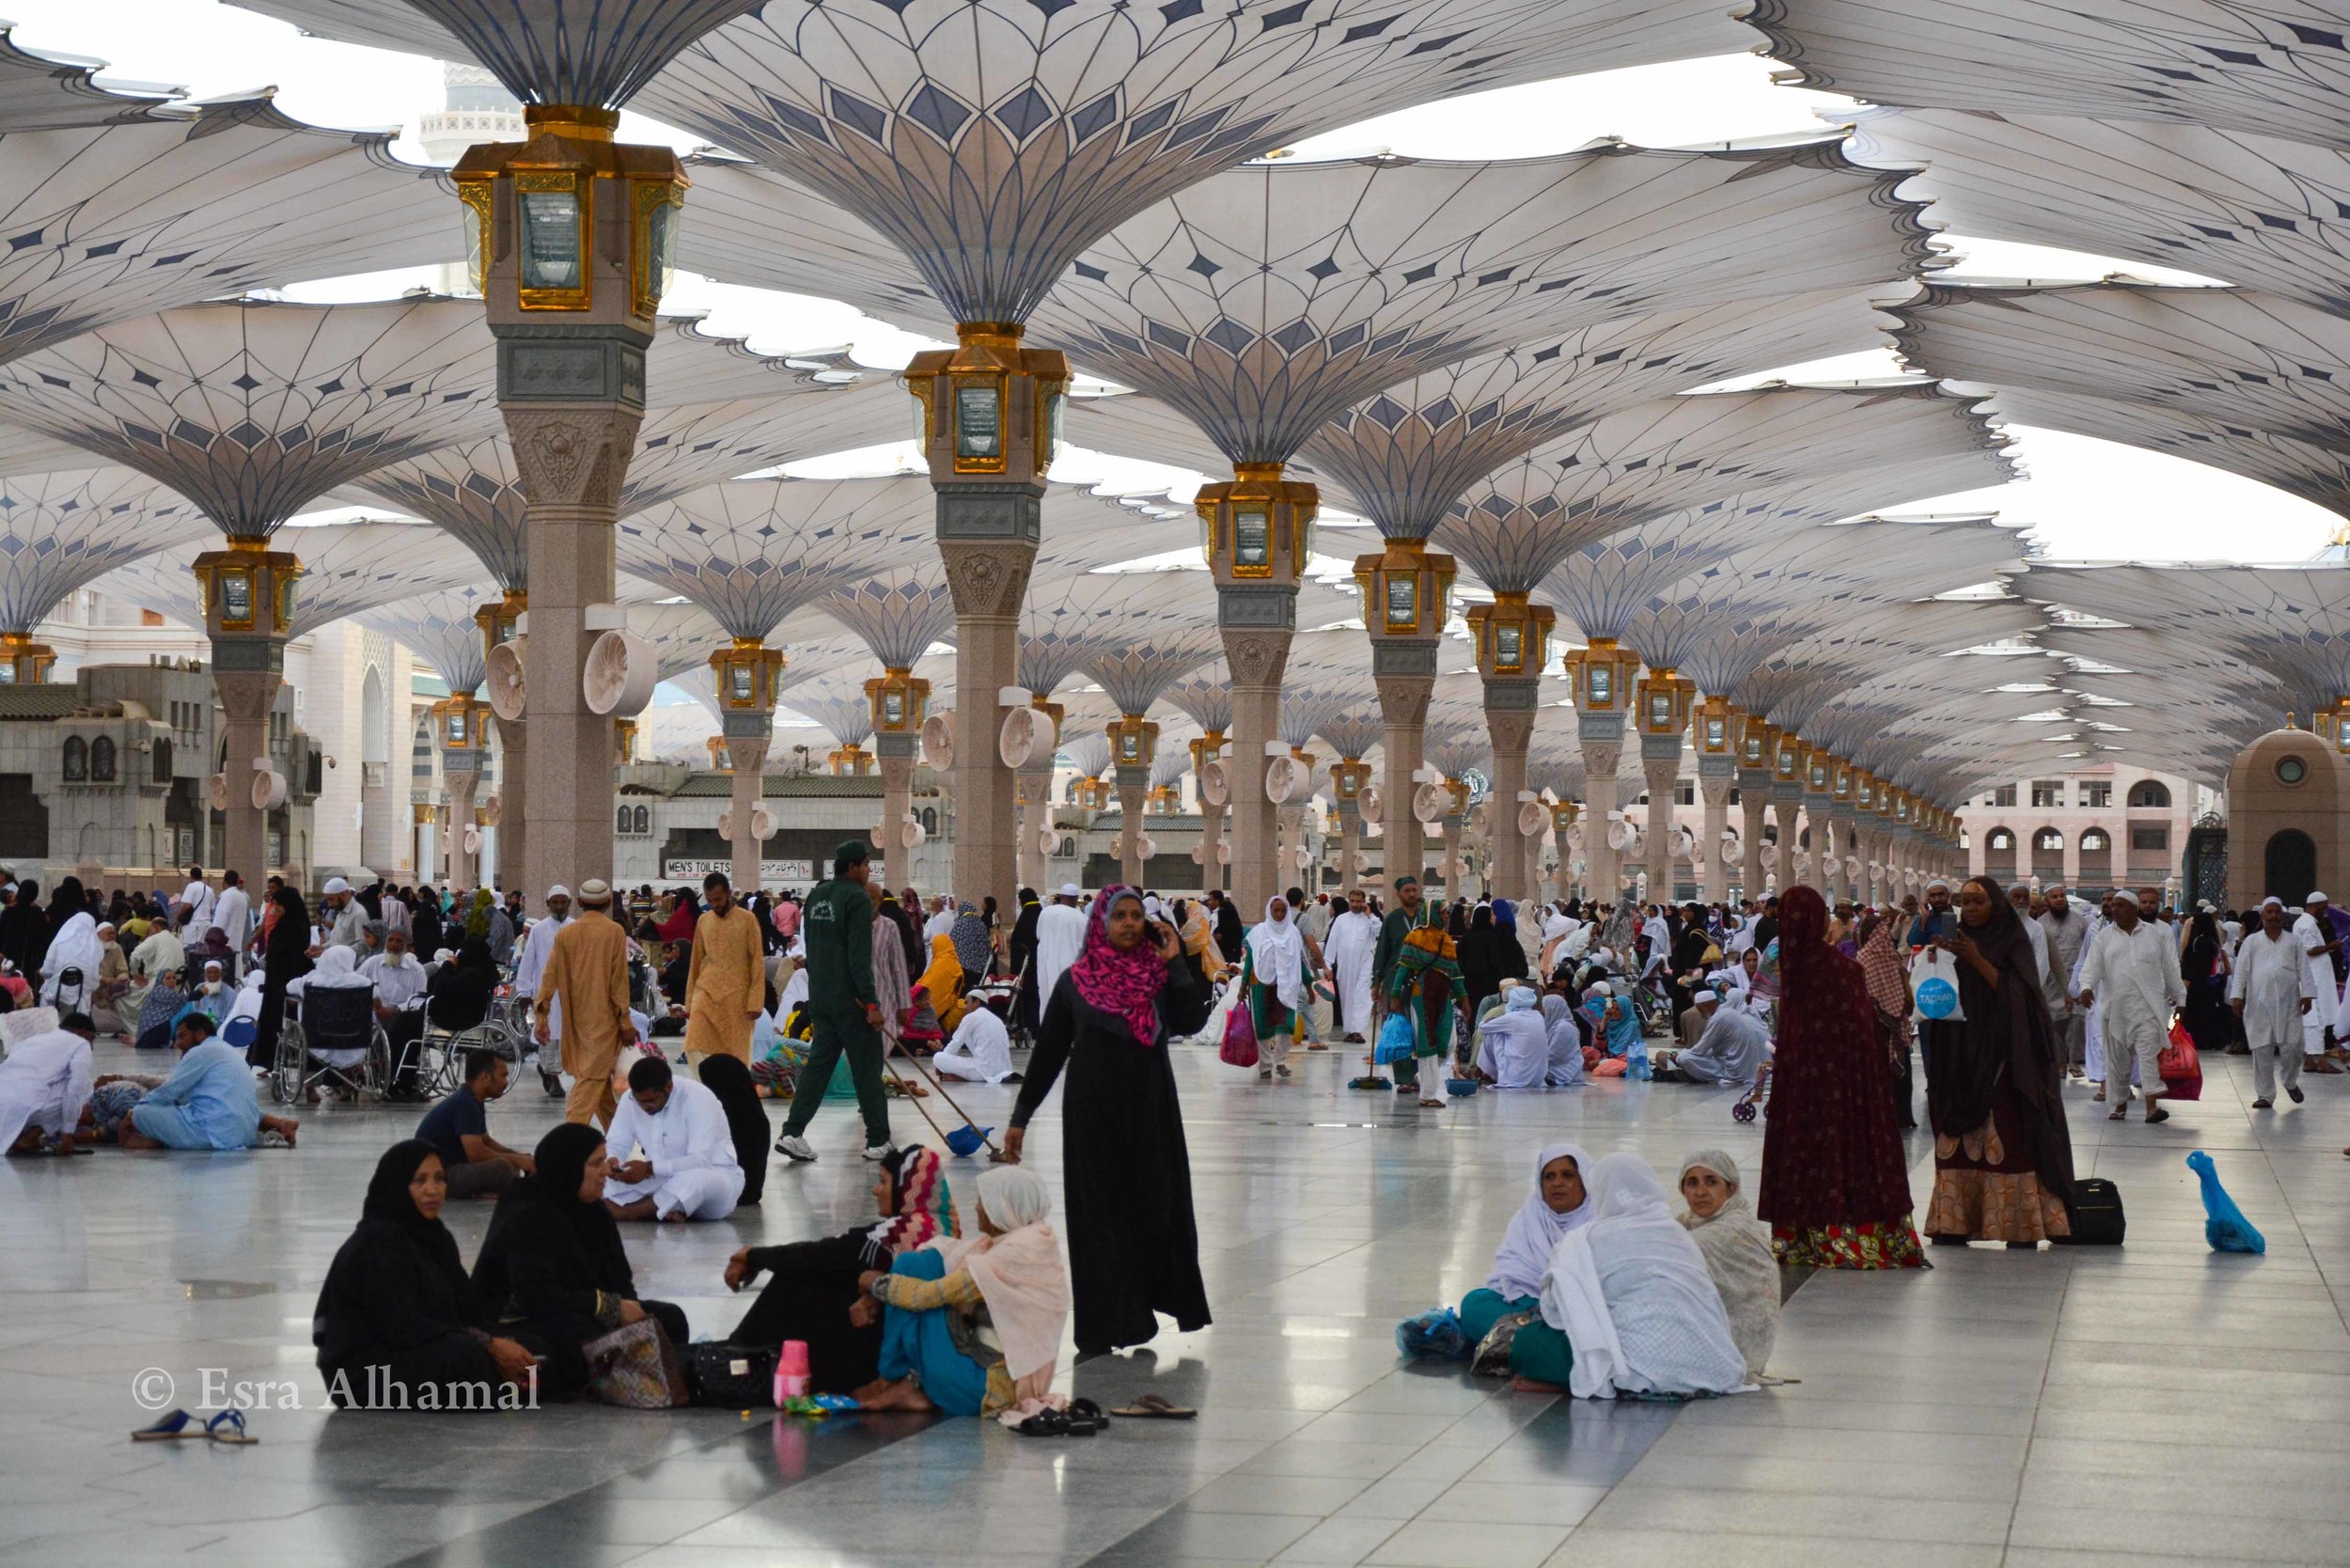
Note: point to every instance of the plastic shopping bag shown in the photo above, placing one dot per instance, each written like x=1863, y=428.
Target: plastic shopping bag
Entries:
x=1933, y=982
x=2224, y=1225
x=1240, y=1035
x=2182, y=1069
x=1396, y=1042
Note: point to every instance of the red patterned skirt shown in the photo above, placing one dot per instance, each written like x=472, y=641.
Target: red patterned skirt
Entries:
x=1874, y=1244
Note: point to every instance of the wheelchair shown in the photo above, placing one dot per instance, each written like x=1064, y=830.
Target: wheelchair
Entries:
x=438, y=1056
x=335, y=1018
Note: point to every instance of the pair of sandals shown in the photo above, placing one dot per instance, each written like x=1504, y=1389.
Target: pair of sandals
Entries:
x=227, y=1427
x=1081, y=1418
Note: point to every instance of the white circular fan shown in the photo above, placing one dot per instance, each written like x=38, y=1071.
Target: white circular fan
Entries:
x=1223, y=854
x=1852, y=867
x=1214, y=787
x=1876, y=870
x=938, y=740
x=269, y=789
x=1574, y=837
x=1803, y=862
x=1302, y=857
x=1732, y=847
x=1282, y=779
x=507, y=690
x=1621, y=835
x=617, y=678
x=911, y=834
x=1684, y=842
x=492, y=809
x=1638, y=848
x=762, y=824
x=473, y=841
x=1145, y=848
x=1015, y=743
x=1370, y=800
x=1198, y=854
x=1533, y=818
x=1048, y=839
x=1430, y=802
x=1770, y=855
x=725, y=825
x=1481, y=817
x=220, y=791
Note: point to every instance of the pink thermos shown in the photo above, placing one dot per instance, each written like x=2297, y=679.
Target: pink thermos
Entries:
x=792, y=1371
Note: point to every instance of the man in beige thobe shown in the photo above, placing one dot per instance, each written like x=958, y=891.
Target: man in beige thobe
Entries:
x=726, y=982
x=587, y=976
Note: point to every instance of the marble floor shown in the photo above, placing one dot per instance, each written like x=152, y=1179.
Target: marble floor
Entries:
x=2067, y=1409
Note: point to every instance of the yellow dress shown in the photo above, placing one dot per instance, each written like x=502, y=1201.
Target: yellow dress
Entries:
x=726, y=982
x=944, y=979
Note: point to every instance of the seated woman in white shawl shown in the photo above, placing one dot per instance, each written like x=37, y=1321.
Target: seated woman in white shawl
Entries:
x=1557, y=1205
x=338, y=970
x=1737, y=1249
x=76, y=951
x=1632, y=1297
x=1565, y=1040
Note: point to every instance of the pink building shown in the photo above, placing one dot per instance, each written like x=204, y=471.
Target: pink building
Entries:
x=2094, y=831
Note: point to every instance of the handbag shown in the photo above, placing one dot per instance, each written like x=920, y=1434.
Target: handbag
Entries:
x=2182, y=1069
x=1934, y=988
x=1397, y=1040
x=636, y=1367
x=733, y=1377
x=1240, y=1036
x=1491, y=1358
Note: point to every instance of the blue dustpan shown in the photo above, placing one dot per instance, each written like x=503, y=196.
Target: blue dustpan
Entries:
x=967, y=1140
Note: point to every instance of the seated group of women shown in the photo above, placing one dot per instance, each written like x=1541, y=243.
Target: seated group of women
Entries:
x=905, y=1314
x=1599, y=1289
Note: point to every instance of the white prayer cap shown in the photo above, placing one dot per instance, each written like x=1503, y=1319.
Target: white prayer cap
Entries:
x=2272, y=899
x=1705, y=996
x=1070, y=890
x=2315, y=898
x=1942, y=883
x=1151, y=908
x=1601, y=988
x=211, y=965
x=557, y=891
x=2055, y=888
x=2125, y=896
x=337, y=885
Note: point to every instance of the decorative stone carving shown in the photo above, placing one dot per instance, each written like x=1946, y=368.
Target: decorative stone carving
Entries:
x=576, y=458
x=1403, y=698
x=1256, y=659
x=1510, y=732
x=987, y=579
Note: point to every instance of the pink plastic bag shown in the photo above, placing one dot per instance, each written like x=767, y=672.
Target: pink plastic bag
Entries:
x=1240, y=1036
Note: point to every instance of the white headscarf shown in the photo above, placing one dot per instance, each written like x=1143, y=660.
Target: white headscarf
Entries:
x=1631, y=1293
x=1534, y=1230
x=75, y=948
x=337, y=967
x=1737, y=1252
x=1277, y=950
x=1019, y=1273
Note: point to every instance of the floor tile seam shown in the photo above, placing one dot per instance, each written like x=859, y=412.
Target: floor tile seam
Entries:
x=2031, y=1436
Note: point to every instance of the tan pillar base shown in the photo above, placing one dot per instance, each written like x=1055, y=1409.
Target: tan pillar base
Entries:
x=1510, y=725
x=247, y=697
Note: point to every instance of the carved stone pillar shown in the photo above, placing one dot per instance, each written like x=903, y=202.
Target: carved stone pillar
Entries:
x=1133, y=787
x=498, y=623
x=246, y=698
x=460, y=774
x=1204, y=751
x=1663, y=772
x=1786, y=808
x=897, y=755
x=987, y=572
x=1405, y=683
x=1257, y=659
x=747, y=793
x=1600, y=736
x=1754, y=798
x=1350, y=844
x=1509, y=707
x=1714, y=776
x=1845, y=823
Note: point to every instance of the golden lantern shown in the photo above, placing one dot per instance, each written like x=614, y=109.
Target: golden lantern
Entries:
x=745, y=674
x=1661, y=703
x=1513, y=636
x=1259, y=528
x=23, y=661
x=1714, y=728
x=988, y=408
x=1603, y=676
x=548, y=219
x=898, y=701
x=1133, y=741
x=1407, y=590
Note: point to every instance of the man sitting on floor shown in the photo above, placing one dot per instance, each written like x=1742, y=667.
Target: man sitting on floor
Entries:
x=45, y=1080
x=207, y=1101
x=689, y=1170
x=479, y=1165
x=981, y=1050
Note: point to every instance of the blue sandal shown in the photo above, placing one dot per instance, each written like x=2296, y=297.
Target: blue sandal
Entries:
x=169, y=1429
x=228, y=1427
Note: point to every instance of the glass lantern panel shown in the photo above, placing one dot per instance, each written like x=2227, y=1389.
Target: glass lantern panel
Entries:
x=661, y=229
x=1252, y=538
x=1508, y=645
x=1129, y=746
x=1600, y=683
x=893, y=707
x=236, y=596
x=1716, y=733
x=456, y=726
x=552, y=242
x=742, y=683
x=979, y=421
x=1403, y=599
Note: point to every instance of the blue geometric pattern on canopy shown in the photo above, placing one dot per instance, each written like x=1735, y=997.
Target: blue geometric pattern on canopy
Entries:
x=2291, y=620
x=61, y=530
x=347, y=567
x=441, y=628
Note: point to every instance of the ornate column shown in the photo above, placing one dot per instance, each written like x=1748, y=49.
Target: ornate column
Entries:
x=1257, y=530
x=1133, y=747
x=1713, y=730
x=1033, y=790
x=247, y=591
x=457, y=721
x=1843, y=815
x=571, y=235
x=23, y=661
x=899, y=703
x=1562, y=815
x=1512, y=639
x=1348, y=780
x=1787, y=751
x=1205, y=749
x=1603, y=700
x=1455, y=830
x=1818, y=784
x=991, y=417
x=498, y=623
x=745, y=674
x=1662, y=706
x=1406, y=592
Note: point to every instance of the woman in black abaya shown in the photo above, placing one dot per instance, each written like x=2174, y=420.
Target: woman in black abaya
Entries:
x=1134, y=1245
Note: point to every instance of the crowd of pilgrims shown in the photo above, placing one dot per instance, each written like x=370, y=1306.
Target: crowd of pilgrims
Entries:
x=1597, y=1287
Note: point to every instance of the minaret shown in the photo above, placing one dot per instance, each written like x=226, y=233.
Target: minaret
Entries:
x=473, y=108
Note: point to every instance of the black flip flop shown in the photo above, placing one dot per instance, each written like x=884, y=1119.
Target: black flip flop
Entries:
x=1045, y=1423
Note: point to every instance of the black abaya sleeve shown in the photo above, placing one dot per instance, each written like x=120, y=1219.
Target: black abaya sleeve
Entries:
x=1184, y=1003
x=1053, y=1037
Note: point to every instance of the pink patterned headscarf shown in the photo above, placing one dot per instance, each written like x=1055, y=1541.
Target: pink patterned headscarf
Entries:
x=1126, y=983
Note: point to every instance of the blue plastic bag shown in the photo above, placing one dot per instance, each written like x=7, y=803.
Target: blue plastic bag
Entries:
x=1433, y=1336
x=1636, y=1066
x=1395, y=1041
x=2224, y=1225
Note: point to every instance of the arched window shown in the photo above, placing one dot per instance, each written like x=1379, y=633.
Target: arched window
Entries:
x=162, y=761
x=375, y=721
x=644, y=818
x=929, y=818
x=622, y=825
x=2094, y=842
x=2048, y=839
x=2000, y=839
x=101, y=759
x=76, y=759
x=2149, y=796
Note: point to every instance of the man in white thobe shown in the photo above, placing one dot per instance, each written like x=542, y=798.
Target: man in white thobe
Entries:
x=1314, y=919
x=2131, y=975
x=2270, y=992
x=45, y=1081
x=536, y=946
x=2064, y=930
x=1731, y=1048
x=2019, y=899
x=942, y=920
x=981, y=1050
x=232, y=912
x=1060, y=936
x=687, y=1169
x=1353, y=942
x=2312, y=934
x=198, y=902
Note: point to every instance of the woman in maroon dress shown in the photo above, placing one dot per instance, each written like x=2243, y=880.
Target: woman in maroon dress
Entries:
x=1835, y=1177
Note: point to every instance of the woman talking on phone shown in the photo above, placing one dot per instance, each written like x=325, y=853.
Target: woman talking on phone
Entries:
x=1134, y=1248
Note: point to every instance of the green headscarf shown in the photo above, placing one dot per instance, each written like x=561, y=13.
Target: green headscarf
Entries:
x=478, y=917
